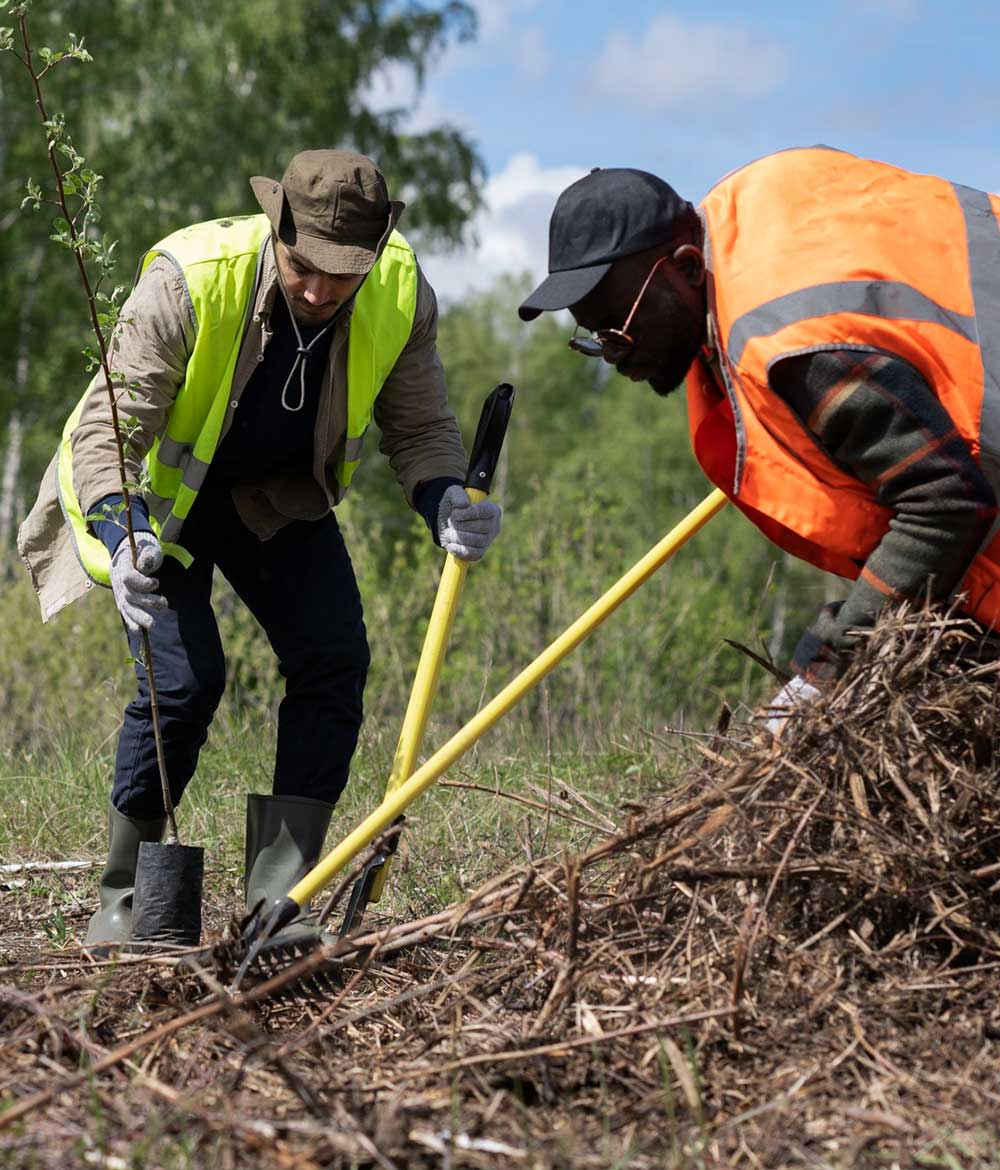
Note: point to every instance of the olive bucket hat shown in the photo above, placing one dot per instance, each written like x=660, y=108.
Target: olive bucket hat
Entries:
x=332, y=207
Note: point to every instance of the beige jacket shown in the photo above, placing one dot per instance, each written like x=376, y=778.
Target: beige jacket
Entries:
x=419, y=433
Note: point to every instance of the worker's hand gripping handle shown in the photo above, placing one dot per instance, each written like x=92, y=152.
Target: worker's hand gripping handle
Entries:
x=488, y=443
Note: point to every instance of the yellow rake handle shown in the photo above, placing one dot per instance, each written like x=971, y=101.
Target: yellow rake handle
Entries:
x=404, y=795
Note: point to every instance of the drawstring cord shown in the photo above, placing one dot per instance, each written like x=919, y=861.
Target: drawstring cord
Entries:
x=301, y=357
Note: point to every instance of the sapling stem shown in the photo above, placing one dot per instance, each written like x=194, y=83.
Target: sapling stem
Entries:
x=76, y=242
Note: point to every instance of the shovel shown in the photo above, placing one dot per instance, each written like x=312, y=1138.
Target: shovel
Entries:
x=486, y=448
x=403, y=795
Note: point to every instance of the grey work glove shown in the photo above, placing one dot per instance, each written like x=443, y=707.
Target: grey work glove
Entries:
x=466, y=529
x=134, y=588
x=796, y=694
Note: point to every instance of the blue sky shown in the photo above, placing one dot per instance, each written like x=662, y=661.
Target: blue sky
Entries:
x=551, y=88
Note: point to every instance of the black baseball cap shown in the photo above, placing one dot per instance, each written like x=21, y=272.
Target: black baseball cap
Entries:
x=610, y=213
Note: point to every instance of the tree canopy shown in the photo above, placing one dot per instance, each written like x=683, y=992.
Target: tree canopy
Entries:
x=182, y=103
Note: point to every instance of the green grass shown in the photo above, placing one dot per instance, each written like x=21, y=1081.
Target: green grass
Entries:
x=53, y=806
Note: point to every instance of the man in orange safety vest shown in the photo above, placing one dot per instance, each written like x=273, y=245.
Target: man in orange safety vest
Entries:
x=837, y=321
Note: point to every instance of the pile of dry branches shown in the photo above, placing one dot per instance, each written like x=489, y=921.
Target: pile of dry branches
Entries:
x=789, y=961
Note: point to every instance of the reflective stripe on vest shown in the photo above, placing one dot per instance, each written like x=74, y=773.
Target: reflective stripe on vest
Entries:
x=220, y=262
x=812, y=250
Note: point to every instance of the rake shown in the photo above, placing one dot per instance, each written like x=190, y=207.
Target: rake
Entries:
x=259, y=937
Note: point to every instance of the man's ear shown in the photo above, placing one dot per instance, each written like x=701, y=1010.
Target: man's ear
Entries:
x=690, y=259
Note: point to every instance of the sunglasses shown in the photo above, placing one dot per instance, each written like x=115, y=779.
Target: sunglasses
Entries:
x=612, y=344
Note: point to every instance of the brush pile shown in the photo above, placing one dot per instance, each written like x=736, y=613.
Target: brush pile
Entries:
x=791, y=960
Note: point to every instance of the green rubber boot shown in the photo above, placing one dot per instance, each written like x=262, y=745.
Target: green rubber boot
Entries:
x=113, y=922
x=285, y=836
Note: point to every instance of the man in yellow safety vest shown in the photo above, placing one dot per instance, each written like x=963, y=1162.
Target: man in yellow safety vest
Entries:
x=257, y=350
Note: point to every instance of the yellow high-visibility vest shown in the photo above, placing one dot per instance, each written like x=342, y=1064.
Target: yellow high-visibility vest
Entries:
x=220, y=262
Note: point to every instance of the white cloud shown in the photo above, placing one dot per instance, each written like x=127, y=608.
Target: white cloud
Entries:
x=502, y=33
x=512, y=229
x=533, y=56
x=495, y=16
x=394, y=87
x=390, y=87
x=678, y=59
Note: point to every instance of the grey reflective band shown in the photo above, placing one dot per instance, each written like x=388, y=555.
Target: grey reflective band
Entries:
x=171, y=529
x=195, y=473
x=174, y=453
x=891, y=299
x=352, y=450
x=739, y=426
x=159, y=506
x=983, y=236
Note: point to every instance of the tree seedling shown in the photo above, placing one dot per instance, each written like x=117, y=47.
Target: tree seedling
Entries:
x=73, y=194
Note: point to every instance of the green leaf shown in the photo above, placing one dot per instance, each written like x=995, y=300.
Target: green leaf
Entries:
x=107, y=512
x=34, y=195
x=75, y=49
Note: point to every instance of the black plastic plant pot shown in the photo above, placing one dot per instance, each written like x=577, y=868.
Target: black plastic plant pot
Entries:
x=167, y=903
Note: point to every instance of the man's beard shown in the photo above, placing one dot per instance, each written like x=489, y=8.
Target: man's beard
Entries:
x=663, y=386
x=686, y=335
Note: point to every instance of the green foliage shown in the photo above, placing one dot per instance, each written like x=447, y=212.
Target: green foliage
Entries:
x=182, y=102
x=55, y=928
x=595, y=472
x=74, y=191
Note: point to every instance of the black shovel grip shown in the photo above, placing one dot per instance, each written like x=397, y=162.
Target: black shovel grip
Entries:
x=489, y=438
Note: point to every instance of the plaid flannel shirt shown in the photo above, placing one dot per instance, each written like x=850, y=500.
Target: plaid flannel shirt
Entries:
x=876, y=418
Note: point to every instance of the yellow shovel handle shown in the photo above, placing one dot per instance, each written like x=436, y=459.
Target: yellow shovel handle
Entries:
x=459, y=744
x=425, y=681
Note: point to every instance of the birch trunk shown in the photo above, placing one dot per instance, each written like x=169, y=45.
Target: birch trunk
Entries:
x=10, y=496
x=8, y=480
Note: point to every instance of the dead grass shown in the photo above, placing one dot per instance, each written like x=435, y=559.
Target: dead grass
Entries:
x=792, y=962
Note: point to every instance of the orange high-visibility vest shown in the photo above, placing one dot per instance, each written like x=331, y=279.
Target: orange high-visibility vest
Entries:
x=818, y=249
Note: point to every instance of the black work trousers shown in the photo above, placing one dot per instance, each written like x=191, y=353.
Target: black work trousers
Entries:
x=300, y=586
